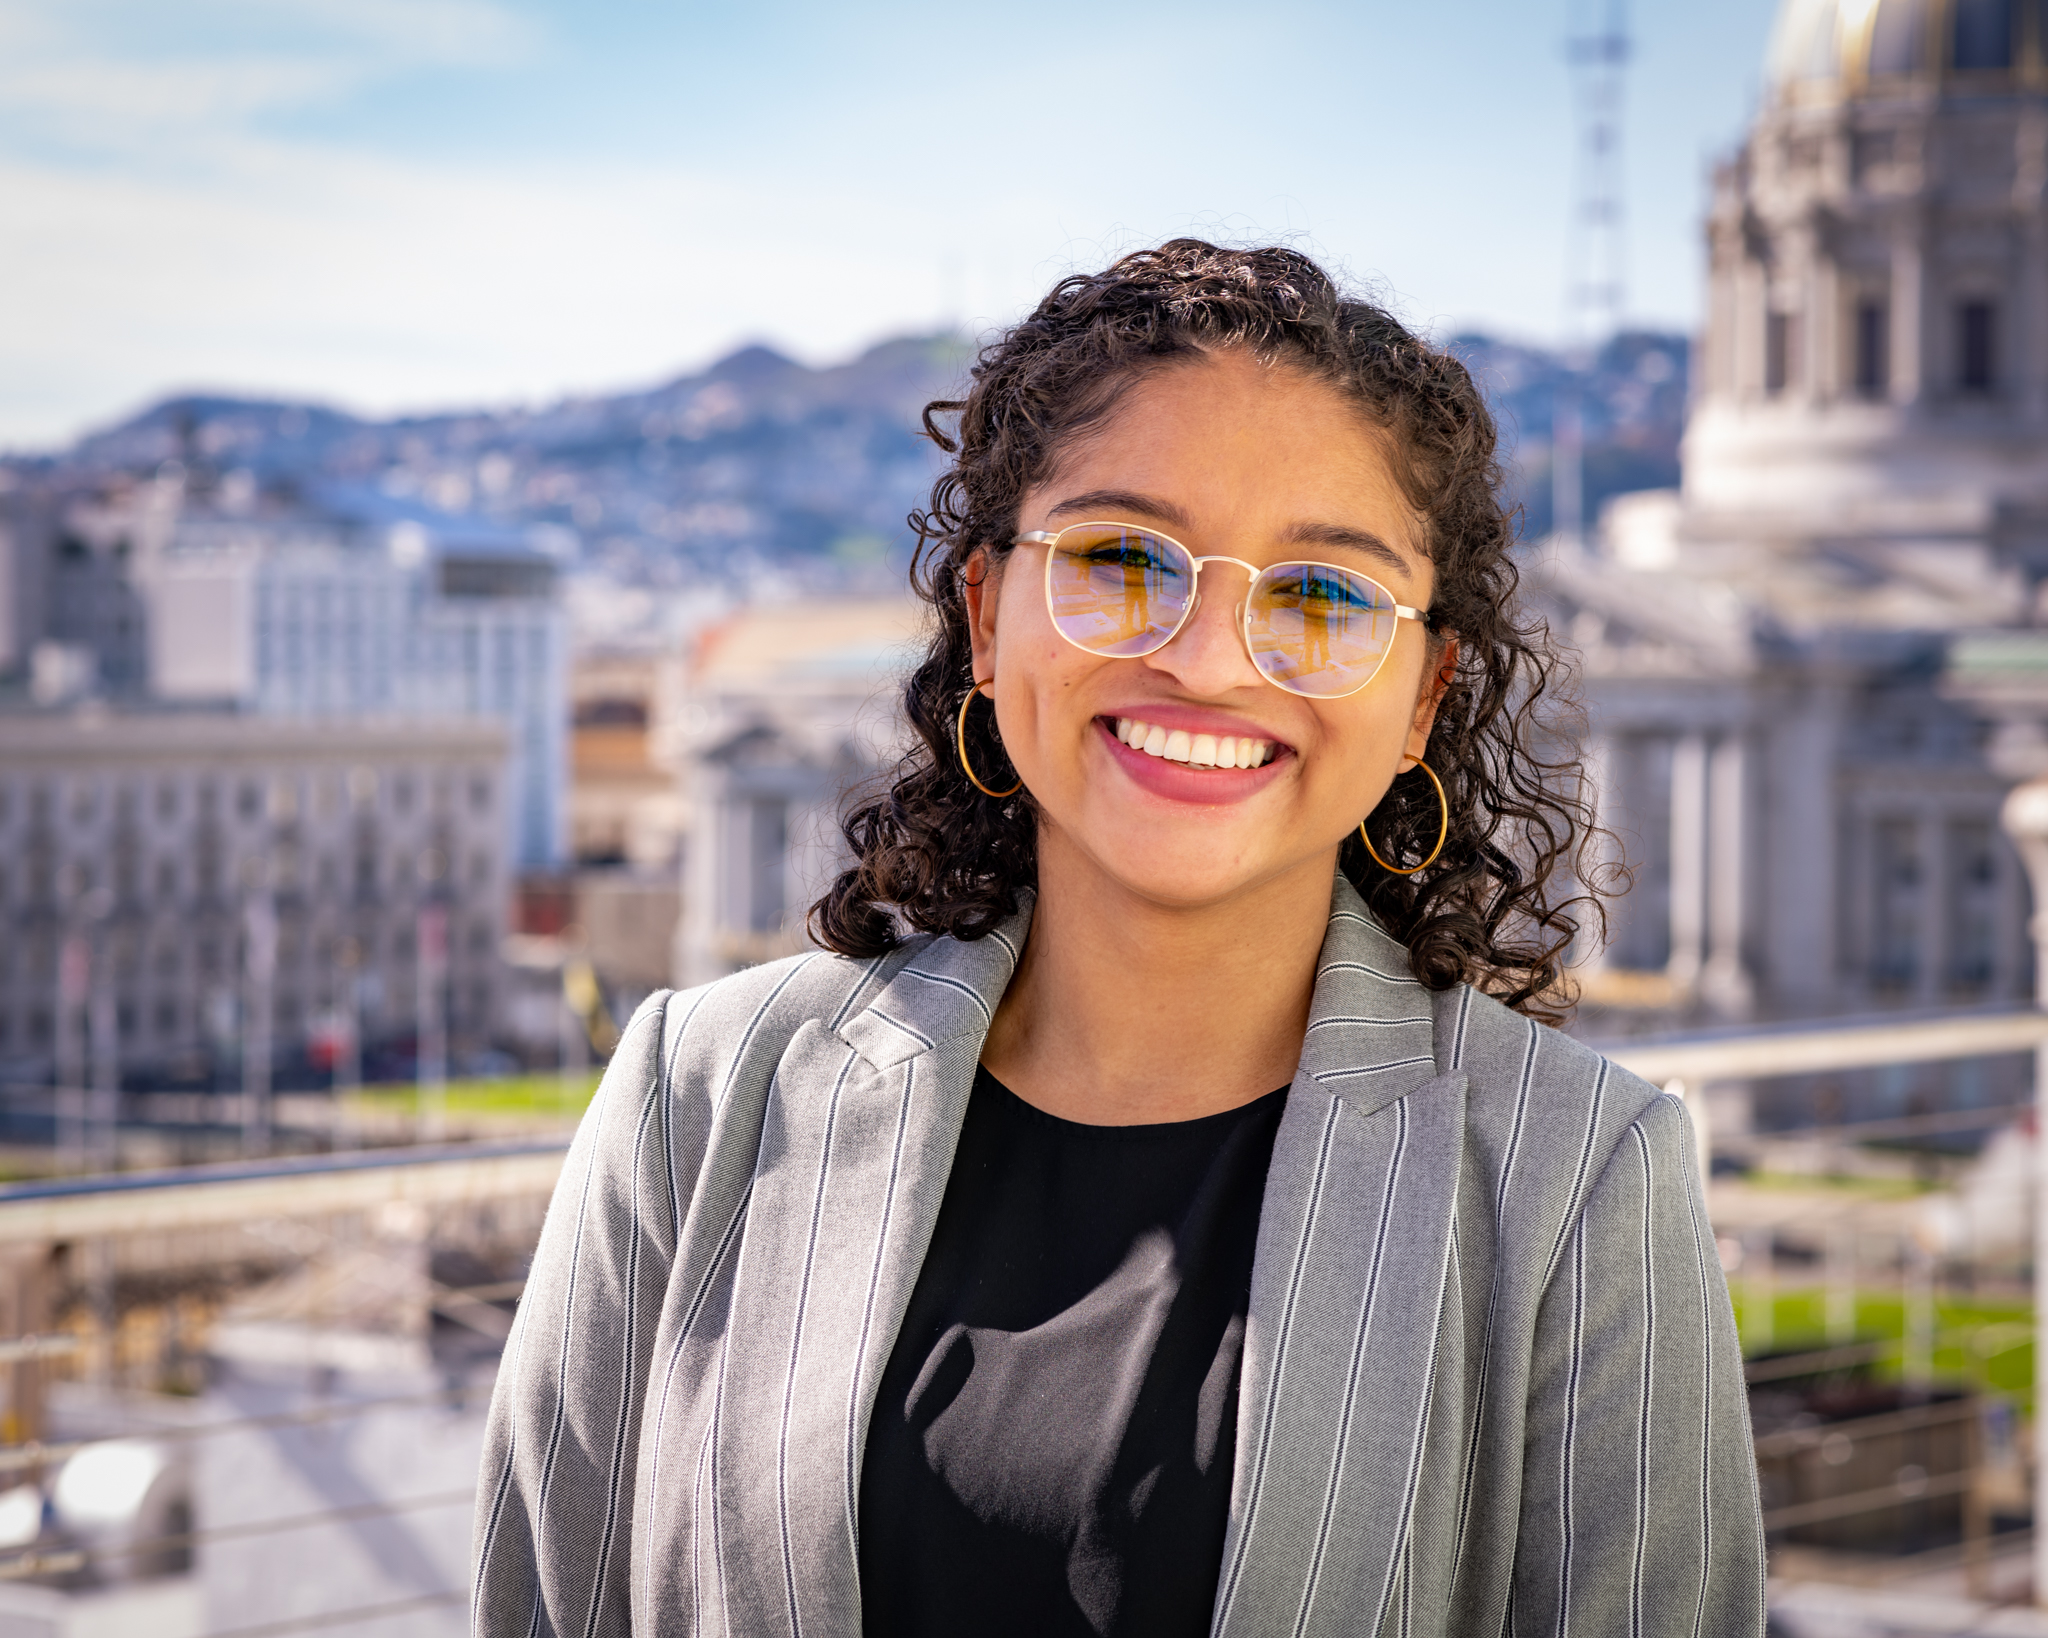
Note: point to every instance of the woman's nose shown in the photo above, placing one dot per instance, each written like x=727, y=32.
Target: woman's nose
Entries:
x=1207, y=654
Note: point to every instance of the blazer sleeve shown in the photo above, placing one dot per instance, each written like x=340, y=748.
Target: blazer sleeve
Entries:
x=1639, y=1509
x=555, y=1490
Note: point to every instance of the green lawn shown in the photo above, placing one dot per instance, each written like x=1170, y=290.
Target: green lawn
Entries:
x=510, y=1095
x=1986, y=1345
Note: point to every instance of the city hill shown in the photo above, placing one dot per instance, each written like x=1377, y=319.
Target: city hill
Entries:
x=760, y=463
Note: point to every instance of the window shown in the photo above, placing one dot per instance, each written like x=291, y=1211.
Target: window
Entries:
x=1781, y=345
x=1871, y=151
x=1976, y=324
x=1895, y=903
x=1981, y=35
x=1873, y=366
x=1972, y=902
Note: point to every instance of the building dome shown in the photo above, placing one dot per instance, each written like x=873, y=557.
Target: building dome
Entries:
x=1832, y=48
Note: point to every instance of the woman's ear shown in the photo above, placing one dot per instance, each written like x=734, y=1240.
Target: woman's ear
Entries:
x=1434, y=686
x=981, y=583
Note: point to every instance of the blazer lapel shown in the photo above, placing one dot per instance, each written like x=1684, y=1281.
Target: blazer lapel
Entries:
x=1347, y=1299
x=855, y=1150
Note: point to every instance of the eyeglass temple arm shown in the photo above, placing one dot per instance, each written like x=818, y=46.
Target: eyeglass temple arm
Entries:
x=1042, y=537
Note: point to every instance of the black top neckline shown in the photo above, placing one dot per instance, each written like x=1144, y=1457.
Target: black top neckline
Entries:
x=1052, y=1445
x=1086, y=1130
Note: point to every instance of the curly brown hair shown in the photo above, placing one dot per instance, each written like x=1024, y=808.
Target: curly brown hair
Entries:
x=1503, y=903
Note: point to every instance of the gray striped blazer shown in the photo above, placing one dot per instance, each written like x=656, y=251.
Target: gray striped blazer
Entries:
x=1490, y=1385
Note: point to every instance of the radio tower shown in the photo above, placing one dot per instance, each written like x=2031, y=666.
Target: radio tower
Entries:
x=1596, y=272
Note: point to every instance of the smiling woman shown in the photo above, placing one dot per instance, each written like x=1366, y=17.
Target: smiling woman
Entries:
x=1243, y=379
x=1187, y=1226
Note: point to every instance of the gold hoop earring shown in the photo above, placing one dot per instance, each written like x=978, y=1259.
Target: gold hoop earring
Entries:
x=960, y=737
x=1443, y=834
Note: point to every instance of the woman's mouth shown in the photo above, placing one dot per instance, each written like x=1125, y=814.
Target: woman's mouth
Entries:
x=1192, y=750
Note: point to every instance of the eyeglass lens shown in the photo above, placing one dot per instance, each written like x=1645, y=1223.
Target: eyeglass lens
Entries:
x=1318, y=631
x=1312, y=629
x=1120, y=592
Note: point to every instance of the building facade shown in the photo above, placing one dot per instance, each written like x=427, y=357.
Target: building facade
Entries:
x=786, y=708
x=1806, y=782
x=177, y=886
x=197, y=590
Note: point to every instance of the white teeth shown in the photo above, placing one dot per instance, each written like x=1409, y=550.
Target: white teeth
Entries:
x=1197, y=750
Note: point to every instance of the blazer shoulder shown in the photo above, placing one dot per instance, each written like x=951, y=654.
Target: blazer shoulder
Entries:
x=1527, y=1084
x=707, y=1031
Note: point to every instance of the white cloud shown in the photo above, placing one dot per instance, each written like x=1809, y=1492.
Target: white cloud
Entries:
x=80, y=74
x=390, y=285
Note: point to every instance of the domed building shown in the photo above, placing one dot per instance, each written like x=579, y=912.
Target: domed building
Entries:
x=1815, y=668
x=1874, y=368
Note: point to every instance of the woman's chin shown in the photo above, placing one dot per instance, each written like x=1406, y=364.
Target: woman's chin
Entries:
x=1195, y=876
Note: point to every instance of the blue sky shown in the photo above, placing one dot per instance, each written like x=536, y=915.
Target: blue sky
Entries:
x=394, y=204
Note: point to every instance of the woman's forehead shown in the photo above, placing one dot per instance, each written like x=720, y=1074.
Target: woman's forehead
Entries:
x=1229, y=442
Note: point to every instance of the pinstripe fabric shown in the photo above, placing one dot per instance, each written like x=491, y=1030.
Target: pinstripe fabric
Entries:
x=1490, y=1378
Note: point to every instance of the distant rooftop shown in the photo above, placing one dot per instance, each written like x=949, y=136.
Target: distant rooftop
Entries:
x=816, y=644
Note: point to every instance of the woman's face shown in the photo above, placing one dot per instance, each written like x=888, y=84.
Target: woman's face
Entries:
x=1250, y=461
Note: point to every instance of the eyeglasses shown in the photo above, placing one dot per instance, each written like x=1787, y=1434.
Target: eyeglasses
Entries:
x=1311, y=628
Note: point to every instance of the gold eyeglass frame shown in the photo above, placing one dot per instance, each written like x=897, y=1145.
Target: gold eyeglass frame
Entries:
x=1049, y=539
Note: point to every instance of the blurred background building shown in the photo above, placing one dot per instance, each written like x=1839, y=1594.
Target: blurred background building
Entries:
x=1816, y=664
x=174, y=871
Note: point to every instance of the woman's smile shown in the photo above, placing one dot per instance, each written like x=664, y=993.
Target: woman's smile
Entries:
x=1180, y=754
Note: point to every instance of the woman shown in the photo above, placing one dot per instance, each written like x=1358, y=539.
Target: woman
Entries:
x=1192, y=1224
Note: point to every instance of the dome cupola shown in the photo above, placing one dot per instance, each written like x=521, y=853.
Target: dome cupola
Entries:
x=1830, y=49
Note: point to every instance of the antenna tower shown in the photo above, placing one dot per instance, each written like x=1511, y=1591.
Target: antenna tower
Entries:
x=1597, y=49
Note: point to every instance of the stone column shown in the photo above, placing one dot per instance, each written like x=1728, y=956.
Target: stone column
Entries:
x=1750, y=302
x=1688, y=860
x=2026, y=822
x=1596, y=759
x=1821, y=373
x=1725, y=979
x=2030, y=289
x=1908, y=308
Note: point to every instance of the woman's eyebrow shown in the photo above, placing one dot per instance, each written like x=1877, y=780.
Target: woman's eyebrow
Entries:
x=1363, y=541
x=1111, y=501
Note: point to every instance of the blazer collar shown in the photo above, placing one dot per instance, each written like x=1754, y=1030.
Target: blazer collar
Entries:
x=937, y=990
x=1370, y=1033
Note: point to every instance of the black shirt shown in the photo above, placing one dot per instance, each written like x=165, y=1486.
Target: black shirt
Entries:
x=1052, y=1442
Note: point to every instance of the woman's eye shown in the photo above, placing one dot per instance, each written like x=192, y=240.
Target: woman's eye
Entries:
x=1126, y=558
x=1323, y=591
